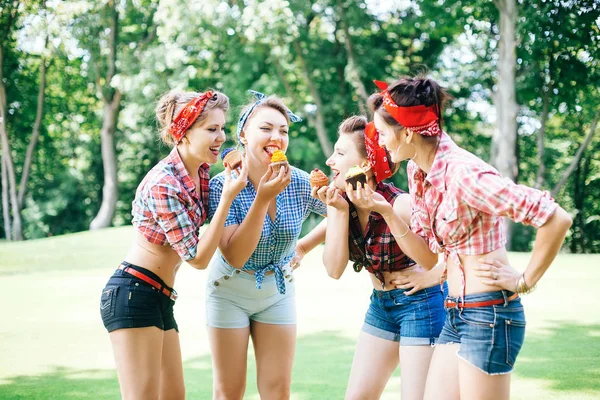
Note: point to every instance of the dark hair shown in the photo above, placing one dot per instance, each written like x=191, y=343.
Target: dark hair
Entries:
x=355, y=126
x=408, y=92
x=171, y=104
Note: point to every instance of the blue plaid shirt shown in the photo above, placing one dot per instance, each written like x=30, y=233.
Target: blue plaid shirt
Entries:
x=277, y=243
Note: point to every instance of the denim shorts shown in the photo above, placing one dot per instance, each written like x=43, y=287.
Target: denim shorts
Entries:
x=232, y=299
x=490, y=337
x=414, y=320
x=129, y=302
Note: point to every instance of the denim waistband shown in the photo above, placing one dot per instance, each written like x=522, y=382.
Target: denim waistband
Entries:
x=146, y=272
x=477, y=297
x=392, y=294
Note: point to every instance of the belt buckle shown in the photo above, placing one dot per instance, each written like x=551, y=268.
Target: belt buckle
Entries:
x=173, y=295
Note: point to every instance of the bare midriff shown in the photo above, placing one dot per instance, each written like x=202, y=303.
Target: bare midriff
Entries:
x=162, y=260
x=388, y=276
x=472, y=282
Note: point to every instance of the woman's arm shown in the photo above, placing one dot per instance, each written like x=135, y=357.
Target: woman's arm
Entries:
x=239, y=241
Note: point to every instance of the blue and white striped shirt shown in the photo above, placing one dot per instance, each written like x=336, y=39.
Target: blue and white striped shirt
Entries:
x=277, y=243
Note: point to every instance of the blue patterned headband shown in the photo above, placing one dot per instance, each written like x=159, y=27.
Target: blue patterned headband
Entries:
x=259, y=99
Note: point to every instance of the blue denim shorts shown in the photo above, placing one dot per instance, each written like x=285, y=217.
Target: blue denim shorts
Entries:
x=414, y=320
x=129, y=302
x=232, y=299
x=490, y=337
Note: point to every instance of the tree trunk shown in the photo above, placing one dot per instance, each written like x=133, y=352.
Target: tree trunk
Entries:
x=35, y=135
x=5, y=202
x=504, y=139
x=112, y=102
x=353, y=75
x=7, y=159
x=109, y=162
x=539, y=178
x=319, y=120
x=578, y=155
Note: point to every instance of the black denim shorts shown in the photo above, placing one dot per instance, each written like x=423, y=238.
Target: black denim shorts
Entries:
x=130, y=302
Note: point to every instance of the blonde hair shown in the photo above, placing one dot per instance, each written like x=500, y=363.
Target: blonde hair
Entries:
x=171, y=104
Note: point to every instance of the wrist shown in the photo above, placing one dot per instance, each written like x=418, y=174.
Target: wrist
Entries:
x=386, y=211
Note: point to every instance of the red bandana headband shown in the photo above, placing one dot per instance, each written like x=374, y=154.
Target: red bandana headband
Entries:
x=188, y=116
x=378, y=157
x=418, y=119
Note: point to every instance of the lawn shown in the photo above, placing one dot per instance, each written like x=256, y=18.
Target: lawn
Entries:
x=53, y=344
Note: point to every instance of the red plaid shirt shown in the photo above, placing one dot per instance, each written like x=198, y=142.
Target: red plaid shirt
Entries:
x=459, y=206
x=167, y=209
x=376, y=249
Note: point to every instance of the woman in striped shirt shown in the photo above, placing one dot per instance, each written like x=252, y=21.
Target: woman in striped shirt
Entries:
x=169, y=207
x=459, y=204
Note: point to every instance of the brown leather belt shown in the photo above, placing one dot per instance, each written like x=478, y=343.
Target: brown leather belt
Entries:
x=452, y=304
x=171, y=294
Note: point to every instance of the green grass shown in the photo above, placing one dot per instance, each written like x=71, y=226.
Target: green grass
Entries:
x=53, y=345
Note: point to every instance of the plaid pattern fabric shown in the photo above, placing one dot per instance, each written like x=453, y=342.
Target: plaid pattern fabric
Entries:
x=376, y=249
x=277, y=243
x=167, y=209
x=459, y=207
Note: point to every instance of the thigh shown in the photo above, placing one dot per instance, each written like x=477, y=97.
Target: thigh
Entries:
x=414, y=365
x=229, y=349
x=274, y=347
x=477, y=385
x=374, y=362
x=442, y=378
x=171, y=368
x=138, y=353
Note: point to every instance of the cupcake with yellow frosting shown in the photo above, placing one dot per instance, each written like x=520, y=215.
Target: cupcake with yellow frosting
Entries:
x=355, y=175
x=278, y=160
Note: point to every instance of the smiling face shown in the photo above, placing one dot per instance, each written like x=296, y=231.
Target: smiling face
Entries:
x=345, y=156
x=265, y=132
x=205, y=138
x=394, y=143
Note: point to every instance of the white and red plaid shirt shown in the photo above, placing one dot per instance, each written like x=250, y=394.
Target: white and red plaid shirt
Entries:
x=168, y=209
x=459, y=207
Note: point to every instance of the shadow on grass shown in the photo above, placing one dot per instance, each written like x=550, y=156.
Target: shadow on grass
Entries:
x=568, y=357
x=321, y=372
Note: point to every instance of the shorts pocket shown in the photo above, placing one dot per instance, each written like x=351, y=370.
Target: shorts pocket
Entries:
x=108, y=301
x=514, y=331
x=144, y=301
x=483, y=317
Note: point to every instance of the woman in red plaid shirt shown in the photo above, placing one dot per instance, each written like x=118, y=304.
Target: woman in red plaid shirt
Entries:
x=458, y=207
x=402, y=322
x=169, y=207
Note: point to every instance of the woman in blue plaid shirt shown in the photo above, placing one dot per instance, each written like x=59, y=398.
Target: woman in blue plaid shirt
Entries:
x=250, y=291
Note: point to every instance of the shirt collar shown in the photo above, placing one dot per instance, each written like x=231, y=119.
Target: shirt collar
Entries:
x=175, y=160
x=437, y=174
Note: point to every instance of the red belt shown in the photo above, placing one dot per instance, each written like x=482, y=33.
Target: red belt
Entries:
x=171, y=294
x=452, y=304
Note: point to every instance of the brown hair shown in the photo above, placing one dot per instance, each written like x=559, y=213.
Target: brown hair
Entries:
x=408, y=92
x=355, y=126
x=273, y=102
x=171, y=104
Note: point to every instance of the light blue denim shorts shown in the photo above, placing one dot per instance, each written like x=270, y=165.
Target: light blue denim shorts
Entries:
x=232, y=299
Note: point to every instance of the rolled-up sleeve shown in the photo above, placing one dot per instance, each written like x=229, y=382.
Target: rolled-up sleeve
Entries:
x=415, y=223
x=170, y=213
x=487, y=191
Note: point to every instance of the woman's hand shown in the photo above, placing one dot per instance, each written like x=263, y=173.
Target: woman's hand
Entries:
x=272, y=183
x=300, y=253
x=415, y=278
x=330, y=196
x=233, y=186
x=366, y=198
x=495, y=273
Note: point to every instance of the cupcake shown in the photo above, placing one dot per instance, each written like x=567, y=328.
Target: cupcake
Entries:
x=318, y=178
x=355, y=175
x=232, y=157
x=278, y=160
